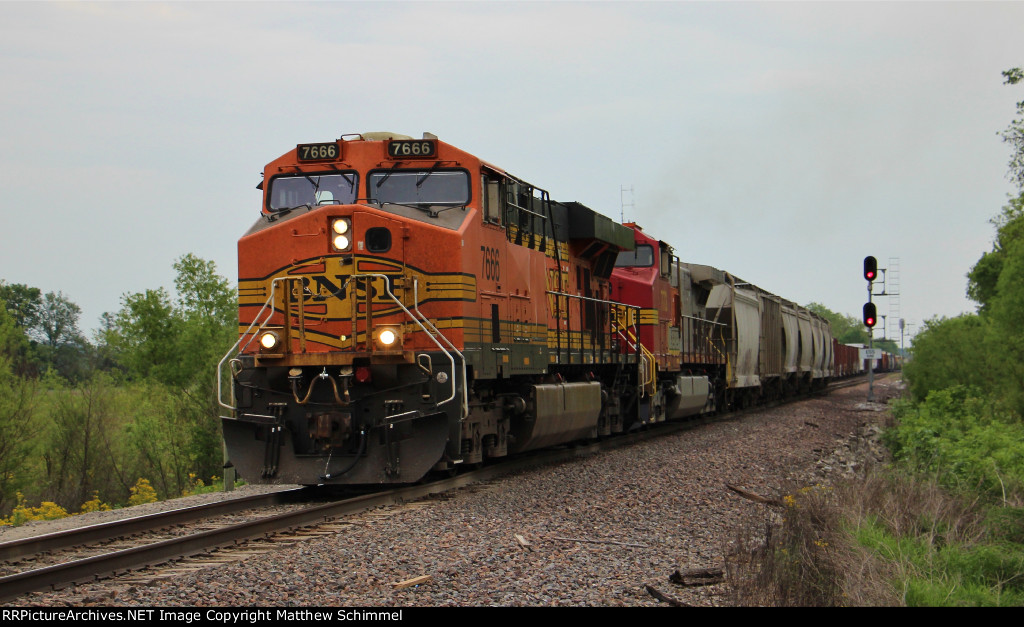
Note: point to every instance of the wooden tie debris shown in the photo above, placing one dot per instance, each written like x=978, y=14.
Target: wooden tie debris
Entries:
x=415, y=581
x=757, y=498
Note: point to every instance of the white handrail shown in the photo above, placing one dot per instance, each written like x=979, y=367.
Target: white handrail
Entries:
x=387, y=289
x=238, y=349
x=465, y=381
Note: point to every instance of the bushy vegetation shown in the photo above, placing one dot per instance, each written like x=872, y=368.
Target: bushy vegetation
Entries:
x=891, y=539
x=944, y=525
x=129, y=418
x=963, y=429
x=964, y=439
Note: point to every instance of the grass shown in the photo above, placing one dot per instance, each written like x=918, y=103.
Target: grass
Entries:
x=889, y=539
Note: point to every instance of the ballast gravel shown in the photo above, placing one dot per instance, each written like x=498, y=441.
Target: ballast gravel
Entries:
x=602, y=531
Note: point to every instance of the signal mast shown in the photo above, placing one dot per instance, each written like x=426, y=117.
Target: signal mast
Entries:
x=870, y=318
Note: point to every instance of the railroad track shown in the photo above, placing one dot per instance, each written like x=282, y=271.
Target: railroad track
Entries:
x=145, y=554
x=305, y=519
x=62, y=558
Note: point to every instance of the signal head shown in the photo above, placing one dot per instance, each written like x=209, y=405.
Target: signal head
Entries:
x=870, y=315
x=870, y=268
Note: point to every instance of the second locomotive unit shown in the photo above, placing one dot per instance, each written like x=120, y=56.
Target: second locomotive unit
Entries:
x=405, y=306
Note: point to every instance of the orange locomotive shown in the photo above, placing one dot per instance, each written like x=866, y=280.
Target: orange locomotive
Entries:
x=405, y=306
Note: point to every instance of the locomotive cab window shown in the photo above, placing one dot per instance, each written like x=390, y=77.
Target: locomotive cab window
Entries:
x=289, y=192
x=642, y=257
x=491, y=200
x=419, y=187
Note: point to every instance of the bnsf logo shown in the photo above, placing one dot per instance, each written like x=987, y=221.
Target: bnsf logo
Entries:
x=326, y=289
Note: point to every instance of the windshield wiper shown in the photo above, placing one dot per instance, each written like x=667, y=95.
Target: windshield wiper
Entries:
x=390, y=172
x=350, y=180
x=426, y=174
x=425, y=206
x=280, y=212
x=316, y=185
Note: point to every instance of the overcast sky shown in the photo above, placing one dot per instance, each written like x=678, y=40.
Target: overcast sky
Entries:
x=780, y=141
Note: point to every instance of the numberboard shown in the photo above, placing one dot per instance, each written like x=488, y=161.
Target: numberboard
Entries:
x=409, y=148
x=318, y=152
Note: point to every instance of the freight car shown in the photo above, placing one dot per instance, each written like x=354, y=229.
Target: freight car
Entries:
x=847, y=360
x=405, y=307
x=887, y=362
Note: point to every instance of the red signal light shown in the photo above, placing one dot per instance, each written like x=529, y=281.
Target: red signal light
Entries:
x=870, y=268
x=870, y=315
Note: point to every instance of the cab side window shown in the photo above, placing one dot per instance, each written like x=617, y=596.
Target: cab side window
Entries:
x=491, y=200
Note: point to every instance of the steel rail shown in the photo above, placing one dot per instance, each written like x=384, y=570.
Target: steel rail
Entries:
x=92, y=568
x=100, y=532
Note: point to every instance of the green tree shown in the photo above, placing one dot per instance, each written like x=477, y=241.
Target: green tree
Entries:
x=22, y=303
x=171, y=439
x=846, y=329
x=144, y=334
x=1006, y=331
x=985, y=350
x=61, y=345
x=50, y=322
x=18, y=424
x=155, y=417
x=207, y=309
x=57, y=321
x=949, y=352
x=105, y=354
x=983, y=278
x=78, y=460
x=1014, y=134
x=176, y=343
x=889, y=346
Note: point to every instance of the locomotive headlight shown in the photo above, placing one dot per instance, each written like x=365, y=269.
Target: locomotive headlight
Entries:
x=341, y=242
x=388, y=338
x=269, y=340
x=342, y=234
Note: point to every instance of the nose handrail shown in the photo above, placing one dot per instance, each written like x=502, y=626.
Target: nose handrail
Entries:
x=424, y=323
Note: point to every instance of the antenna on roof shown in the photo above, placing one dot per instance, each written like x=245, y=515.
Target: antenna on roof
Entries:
x=622, y=200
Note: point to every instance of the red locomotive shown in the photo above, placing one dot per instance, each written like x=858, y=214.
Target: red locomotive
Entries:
x=405, y=306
